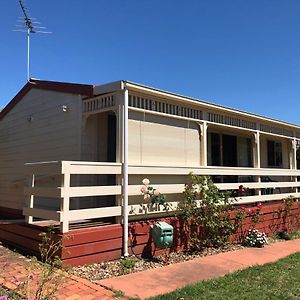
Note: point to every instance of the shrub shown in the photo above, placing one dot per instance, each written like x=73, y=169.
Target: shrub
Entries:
x=255, y=238
x=205, y=211
x=283, y=235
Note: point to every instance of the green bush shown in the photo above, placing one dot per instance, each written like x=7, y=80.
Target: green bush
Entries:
x=205, y=212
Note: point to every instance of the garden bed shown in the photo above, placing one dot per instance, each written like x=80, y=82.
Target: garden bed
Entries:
x=133, y=264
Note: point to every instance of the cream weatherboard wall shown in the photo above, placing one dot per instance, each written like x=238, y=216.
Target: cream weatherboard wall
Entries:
x=94, y=138
x=36, y=129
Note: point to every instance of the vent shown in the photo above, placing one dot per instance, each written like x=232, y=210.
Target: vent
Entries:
x=276, y=130
x=223, y=119
x=98, y=103
x=164, y=107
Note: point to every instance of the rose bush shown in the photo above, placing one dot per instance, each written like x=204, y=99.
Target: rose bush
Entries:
x=153, y=196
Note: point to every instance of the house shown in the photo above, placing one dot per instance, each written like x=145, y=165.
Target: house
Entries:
x=75, y=154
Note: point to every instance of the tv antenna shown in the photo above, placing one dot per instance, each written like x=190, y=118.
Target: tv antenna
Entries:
x=28, y=25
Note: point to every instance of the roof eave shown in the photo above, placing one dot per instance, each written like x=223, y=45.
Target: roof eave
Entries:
x=209, y=105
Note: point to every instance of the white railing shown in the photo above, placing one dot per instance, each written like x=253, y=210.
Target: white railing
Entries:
x=99, y=103
x=64, y=190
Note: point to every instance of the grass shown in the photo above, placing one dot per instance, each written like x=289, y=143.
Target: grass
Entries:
x=278, y=280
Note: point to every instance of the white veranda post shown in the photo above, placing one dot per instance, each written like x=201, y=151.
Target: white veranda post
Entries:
x=294, y=160
x=125, y=172
x=256, y=157
x=203, y=152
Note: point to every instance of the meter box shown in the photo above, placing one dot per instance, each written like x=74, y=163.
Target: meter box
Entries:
x=162, y=234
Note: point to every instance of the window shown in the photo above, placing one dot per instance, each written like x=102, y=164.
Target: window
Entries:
x=274, y=154
x=229, y=150
x=215, y=149
x=244, y=151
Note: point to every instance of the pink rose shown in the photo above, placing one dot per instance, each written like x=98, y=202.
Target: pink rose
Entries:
x=143, y=189
x=156, y=192
x=146, y=181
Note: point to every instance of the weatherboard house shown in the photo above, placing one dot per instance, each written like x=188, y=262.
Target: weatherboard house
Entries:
x=76, y=154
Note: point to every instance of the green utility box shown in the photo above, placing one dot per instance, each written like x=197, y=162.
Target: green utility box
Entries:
x=162, y=234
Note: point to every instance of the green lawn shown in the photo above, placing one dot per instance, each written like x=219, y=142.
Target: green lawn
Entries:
x=280, y=280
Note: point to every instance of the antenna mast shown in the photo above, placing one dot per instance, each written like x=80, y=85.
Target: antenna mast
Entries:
x=28, y=26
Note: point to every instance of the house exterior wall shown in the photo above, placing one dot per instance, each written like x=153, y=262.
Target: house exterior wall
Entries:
x=94, y=138
x=163, y=133
x=94, y=148
x=169, y=136
x=51, y=135
x=147, y=103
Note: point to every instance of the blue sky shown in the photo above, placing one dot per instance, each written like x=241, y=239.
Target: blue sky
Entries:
x=238, y=53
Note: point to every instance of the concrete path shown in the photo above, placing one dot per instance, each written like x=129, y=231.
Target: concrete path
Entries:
x=166, y=279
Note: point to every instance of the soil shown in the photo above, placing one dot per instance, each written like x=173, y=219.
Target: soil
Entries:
x=8, y=255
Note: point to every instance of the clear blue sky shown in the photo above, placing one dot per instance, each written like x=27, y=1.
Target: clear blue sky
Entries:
x=238, y=53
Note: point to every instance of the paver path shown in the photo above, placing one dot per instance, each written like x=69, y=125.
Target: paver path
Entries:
x=15, y=267
x=167, y=279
